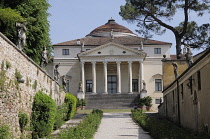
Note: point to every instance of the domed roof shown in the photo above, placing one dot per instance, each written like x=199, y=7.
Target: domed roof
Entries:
x=111, y=29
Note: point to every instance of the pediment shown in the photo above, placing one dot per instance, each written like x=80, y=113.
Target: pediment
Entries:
x=112, y=49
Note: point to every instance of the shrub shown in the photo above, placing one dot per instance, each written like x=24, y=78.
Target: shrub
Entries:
x=60, y=117
x=83, y=102
x=142, y=102
x=71, y=102
x=86, y=129
x=79, y=103
x=23, y=120
x=160, y=128
x=148, y=101
x=4, y=132
x=43, y=115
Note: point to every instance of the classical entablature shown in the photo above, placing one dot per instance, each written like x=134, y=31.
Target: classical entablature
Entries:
x=111, y=52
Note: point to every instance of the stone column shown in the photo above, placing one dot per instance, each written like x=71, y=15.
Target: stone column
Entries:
x=94, y=77
x=140, y=76
x=130, y=77
x=105, y=77
x=118, y=78
x=83, y=76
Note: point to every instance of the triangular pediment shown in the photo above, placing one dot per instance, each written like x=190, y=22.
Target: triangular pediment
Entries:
x=112, y=49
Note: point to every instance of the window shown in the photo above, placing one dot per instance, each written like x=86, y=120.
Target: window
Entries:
x=199, y=80
x=158, y=85
x=135, y=85
x=157, y=50
x=157, y=101
x=87, y=49
x=89, y=85
x=65, y=51
x=67, y=86
x=135, y=48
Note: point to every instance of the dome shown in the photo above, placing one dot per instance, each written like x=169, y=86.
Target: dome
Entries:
x=111, y=29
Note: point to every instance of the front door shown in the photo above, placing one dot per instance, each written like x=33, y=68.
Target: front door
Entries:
x=112, y=84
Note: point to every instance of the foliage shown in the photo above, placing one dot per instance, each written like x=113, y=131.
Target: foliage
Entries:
x=35, y=13
x=155, y=16
x=70, y=101
x=43, y=115
x=160, y=128
x=86, y=128
x=60, y=117
x=142, y=101
x=83, y=102
x=4, y=131
x=2, y=77
x=79, y=103
x=35, y=85
x=8, y=65
x=23, y=120
x=18, y=76
x=148, y=101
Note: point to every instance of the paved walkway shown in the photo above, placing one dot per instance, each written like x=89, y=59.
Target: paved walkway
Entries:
x=119, y=126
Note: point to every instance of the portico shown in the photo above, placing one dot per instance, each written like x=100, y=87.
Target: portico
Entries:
x=113, y=72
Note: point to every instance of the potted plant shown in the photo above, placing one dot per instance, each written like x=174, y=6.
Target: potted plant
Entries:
x=142, y=103
x=148, y=102
x=83, y=103
x=78, y=104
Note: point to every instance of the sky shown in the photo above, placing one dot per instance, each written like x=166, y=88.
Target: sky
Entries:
x=74, y=19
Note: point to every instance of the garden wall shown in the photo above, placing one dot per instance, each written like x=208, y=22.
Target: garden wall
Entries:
x=17, y=97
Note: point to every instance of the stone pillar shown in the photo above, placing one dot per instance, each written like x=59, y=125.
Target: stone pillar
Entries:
x=94, y=77
x=118, y=78
x=140, y=76
x=130, y=77
x=83, y=77
x=105, y=77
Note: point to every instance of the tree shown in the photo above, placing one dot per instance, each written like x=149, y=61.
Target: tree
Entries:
x=153, y=16
x=35, y=14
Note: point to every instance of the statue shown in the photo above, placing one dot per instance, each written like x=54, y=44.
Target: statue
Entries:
x=64, y=82
x=144, y=86
x=176, y=74
x=189, y=57
x=80, y=86
x=44, y=60
x=56, y=73
x=21, y=29
x=111, y=34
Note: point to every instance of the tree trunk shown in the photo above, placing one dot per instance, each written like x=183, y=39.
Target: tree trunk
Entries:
x=178, y=47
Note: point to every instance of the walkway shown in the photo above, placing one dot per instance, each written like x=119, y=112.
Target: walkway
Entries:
x=119, y=126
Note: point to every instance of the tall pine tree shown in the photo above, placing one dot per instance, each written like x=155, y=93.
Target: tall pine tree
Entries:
x=35, y=14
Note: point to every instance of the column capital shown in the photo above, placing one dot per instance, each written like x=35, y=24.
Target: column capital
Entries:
x=118, y=62
x=105, y=62
x=82, y=62
x=93, y=62
x=141, y=61
x=130, y=61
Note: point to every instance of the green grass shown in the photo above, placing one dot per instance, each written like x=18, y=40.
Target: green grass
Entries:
x=106, y=111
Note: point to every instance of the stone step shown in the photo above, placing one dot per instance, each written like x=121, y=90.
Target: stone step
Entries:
x=111, y=101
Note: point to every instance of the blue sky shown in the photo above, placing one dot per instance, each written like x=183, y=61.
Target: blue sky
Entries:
x=74, y=19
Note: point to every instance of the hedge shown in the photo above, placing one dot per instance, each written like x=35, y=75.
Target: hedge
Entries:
x=163, y=129
x=4, y=131
x=71, y=102
x=43, y=115
x=86, y=129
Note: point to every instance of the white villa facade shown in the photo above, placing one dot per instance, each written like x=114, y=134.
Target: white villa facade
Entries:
x=112, y=60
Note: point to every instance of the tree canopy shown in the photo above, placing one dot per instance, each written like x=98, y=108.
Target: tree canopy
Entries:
x=153, y=16
x=34, y=12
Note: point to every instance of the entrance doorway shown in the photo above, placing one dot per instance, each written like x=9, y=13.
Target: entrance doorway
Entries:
x=112, y=84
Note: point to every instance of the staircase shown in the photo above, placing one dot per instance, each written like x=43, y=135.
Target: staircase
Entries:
x=111, y=101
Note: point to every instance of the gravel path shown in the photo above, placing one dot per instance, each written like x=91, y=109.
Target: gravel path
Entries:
x=119, y=126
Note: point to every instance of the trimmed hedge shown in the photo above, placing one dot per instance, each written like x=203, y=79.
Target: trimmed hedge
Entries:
x=86, y=129
x=60, y=117
x=71, y=102
x=163, y=129
x=43, y=115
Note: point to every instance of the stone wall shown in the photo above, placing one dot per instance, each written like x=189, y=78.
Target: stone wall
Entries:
x=17, y=97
